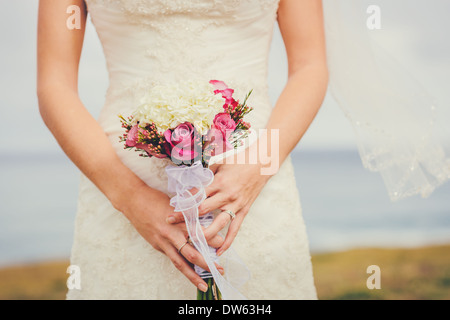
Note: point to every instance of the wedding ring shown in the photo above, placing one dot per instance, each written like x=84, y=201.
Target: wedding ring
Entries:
x=182, y=246
x=231, y=213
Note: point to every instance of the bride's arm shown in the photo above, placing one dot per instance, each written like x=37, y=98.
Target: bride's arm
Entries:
x=86, y=144
x=236, y=186
x=76, y=131
x=301, y=26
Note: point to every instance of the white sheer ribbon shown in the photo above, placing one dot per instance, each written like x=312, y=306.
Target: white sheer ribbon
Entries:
x=181, y=180
x=394, y=118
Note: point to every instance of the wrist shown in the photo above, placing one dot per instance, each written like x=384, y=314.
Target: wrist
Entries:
x=267, y=152
x=122, y=186
x=121, y=194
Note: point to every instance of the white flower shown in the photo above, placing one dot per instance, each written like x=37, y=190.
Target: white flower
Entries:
x=191, y=101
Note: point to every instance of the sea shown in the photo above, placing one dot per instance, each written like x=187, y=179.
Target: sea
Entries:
x=344, y=206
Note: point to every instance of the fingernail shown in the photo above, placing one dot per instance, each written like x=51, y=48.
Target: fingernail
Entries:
x=203, y=287
x=219, y=253
x=171, y=219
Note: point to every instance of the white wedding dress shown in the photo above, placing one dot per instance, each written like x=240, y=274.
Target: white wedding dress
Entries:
x=154, y=41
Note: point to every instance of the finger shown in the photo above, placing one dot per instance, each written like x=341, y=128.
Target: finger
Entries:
x=220, y=222
x=175, y=217
x=182, y=227
x=214, y=167
x=216, y=201
x=182, y=265
x=219, y=268
x=211, y=203
x=187, y=251
x=213, y=241
x=212, y=189
x=216, y=242
x=194, y=257
x=233, y=230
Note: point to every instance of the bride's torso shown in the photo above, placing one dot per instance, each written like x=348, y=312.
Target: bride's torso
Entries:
x=174, y=40
x=159, y=41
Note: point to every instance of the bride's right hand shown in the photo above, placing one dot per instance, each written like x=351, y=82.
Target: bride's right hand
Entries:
x=147, y=210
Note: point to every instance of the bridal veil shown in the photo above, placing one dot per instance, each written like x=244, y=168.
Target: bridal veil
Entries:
x=397, y=123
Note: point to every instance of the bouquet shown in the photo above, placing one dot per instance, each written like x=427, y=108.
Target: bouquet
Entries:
x=189, y=124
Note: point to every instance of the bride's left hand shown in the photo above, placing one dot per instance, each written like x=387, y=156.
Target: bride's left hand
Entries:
x=235, y=188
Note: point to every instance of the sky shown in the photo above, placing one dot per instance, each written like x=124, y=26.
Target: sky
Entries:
x=415, y=28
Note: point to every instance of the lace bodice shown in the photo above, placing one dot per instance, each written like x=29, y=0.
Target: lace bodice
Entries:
x=172, y=40
x=149, y=8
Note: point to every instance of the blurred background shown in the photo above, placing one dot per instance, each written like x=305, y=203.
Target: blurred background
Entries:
x=350, y=220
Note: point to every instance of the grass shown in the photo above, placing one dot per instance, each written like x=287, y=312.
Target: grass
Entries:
x=406, y=274
x=43, y=281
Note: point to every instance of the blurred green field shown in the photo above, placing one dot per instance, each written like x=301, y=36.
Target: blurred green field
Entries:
x=406, y=274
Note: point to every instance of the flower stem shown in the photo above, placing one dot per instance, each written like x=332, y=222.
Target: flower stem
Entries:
x=212, y=293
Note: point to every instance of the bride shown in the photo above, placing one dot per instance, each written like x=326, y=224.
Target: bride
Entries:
x=129, y=242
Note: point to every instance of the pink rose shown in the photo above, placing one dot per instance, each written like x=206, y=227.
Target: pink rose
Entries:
x=227, y=93
x=182, y=140
x=225, y=124
x=133, y=138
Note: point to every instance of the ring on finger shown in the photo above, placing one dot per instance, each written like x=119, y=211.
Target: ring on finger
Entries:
x=231, y=213
x=182, y=246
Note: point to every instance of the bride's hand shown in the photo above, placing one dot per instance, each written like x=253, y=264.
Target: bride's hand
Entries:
x=235, y=188
x=147, y=211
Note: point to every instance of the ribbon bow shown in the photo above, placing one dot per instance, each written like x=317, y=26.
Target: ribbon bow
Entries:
x=181, y=180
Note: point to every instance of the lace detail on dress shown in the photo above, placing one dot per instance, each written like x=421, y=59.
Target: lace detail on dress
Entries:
x=180, y=34
x=141, y=10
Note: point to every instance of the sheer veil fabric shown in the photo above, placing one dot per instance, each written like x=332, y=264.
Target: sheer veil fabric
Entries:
x=396, y=121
